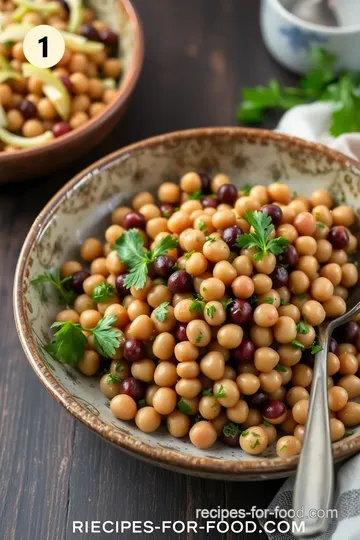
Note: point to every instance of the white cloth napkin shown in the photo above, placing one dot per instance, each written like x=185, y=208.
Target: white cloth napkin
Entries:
x=311, y=122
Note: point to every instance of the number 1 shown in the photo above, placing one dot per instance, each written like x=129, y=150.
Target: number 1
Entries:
x=44, y=42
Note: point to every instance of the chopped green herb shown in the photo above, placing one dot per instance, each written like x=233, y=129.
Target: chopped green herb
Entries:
x=66, y=295
x=198, y=337
x=252, y=299
x=196, y=196
x=202, y=226
x=294, y=194
x=301, y=297
x=166, y=214
x=261, y=239
x=231, y=429
x=280, y=368
x=183, y=407
x=188, y=255
x=320, y=225
x=302, y=328
x=315, y=348
x=102, y=292
x=266, y=423
x=141, y=403
x=283, y=302
x=210, y=311
x=211, y=239
x=254, y=444
x=198, y=304
x=207, y=392
x=198, y=418
x=348, y=433
x=161, y=312
x=246, y=189
x=297, y=345
x=130, y=249
x=221, y=393
x=176, y=267
x=227, y=303
x=268, y=300
x=255, y=434
x=283, y=447
x=119, y=367
x=113, y=378
x=245, y=433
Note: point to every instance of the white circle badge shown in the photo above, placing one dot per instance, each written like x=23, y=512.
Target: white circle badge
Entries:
x=44, y=46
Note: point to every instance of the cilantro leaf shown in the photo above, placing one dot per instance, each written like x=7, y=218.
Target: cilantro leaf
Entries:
x=183, y=407
x=68, y=343
x=102, y=292
x=188, y=254
x=280, y=368
x=66, y=295
x=106, y=337
x=315, y=348
x=130, y=249
x=266, y=423
x=198, y=304
x=227, y=303
x=261, y=237
x=221, y=393
x=207, y=392
x=246, y=189
x=297, y=345
x=268, y=300
x=210, y=311
x=198, y=337
x=231, y=429
x=113, y=378
x=161, y=312
x=302, y=328
x=196, y=196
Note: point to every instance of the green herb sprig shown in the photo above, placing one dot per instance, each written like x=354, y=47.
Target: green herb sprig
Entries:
x=261, y=239
x=102, y=292
x=130, y=249
x=66, y=295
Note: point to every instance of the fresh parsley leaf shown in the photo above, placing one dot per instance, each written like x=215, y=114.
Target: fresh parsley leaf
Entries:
x=198, y=304
x=118, y=367
x=254, y=444
x=283, y=447
x=320, y=225
x=198, y=337
x=283, y=303
x=268, y=300
x=245, y=433
x=202, y=226
x=210, y=311
x=103, y=292
x=261, y=239
x=166, y=213
x=315, y=348
x=280, y=368
x=266, y=423
x=246, y=189
x=196, y=196
x=188, y=255
x=68, y=344
x=302, y=297
x=113, y=378
x=106, y=337
x=302, y=328
x=348, y=433
x=227, y=303
x=211, y=239
x=297, y=345
x=183, y=407
x=198, y=418
x=207, y=392
x=141, y=403
x=66, y=295
x=130, y=249
x=252, y=299
x=161, y=312
x=221, y=393
x=231, y=429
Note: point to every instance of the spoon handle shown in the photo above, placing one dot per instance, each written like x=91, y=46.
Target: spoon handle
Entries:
x=314, y=484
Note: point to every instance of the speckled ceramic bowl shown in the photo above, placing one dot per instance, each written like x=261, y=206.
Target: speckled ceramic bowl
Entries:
x=82, y=208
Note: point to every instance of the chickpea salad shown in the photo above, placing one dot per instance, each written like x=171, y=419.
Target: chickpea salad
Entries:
x=38, y=104
x=199, y=311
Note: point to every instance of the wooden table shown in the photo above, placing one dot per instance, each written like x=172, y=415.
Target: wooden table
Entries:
x=199, y=53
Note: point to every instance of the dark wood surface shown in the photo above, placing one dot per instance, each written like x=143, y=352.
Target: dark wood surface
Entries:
x=199, y=53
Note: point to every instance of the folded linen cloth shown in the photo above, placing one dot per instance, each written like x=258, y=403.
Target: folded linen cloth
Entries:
x=311, y=122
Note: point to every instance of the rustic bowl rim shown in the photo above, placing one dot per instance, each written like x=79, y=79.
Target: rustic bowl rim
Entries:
x=232, y=470
x=125, y=90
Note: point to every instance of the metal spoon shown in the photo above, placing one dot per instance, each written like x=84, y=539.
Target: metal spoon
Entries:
x=316, y=12
x=314, y=484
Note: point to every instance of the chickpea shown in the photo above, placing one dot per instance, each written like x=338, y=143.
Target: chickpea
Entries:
x=178, y=424
x=351, y=383
x=198, y=333
x=188, y=388
x=68, y=315
x=169, y=193
x=248, y=383
x=141, y=294
x=147, y=419
x=230, y=336
x=186, y=352
x=137, y=308
x=90, y=363
x=188, y=370
x=163, y=346
x=178, y=222
x=288, y=231
x=168, y=324
x=314, y=312
x=196, y=264
x=266, y=359
x=262, y=337
x=203, y=434
x=214, y=313
x=142, y=327
x=337, y=429
x=243, y=287
x=349, y=275
x=288, y=355
x=243, y=265
x=270, y=381
x=209, y=407
x=243, y=204
x=295, y=394
x=266, y=265
x=343, y=215
x=348, y=363
x=298, y=282
x=266, y=315
x=288, y=446
x=213, y=365
x=193, y=240
x=309, y=265
x=223, y=219
x=109, y=387
x=285, y=330
x=338, y=256
x=83, y=302
x=300, y=411
x=239, y=412
x=291, y=311
x=254, y=419
x=123, y=407
x=323, y=250
x=89, y=318
x=350, y=414
x=302, y=375
x=143, y=370
x=338, y=397
x=216, y=251
x=254, y=440
x=335, y=307
x=332, y=272
x=164, y=400
x=262, y=283
x=226, y=392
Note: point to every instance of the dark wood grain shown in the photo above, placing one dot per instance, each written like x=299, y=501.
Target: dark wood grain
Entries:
x=199, y=53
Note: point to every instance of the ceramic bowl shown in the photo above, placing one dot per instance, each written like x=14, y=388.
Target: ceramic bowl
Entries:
x=82, y=208
x=23, y=164
x=289, y=39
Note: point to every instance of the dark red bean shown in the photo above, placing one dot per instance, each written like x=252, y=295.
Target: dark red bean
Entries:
x=134, y=220
x=109, y=38
x=133, y=388
x=240, y=311
x=66, y=82
x=308, y=358
x=273, y=408
x=230, y=434
x=180, y=282
x=163, y=265
x=274, y=212
x=77, y=280
x=134, y=350
x=334, y=346
x=227, y=194
x=120, y=286
x=210, y=202
x=167, y=209
x=230, y=234
x=338, y=237
x=28, y=109
x=289, y=256
x=180, y=333
x=280, y=277
x=61, y=128
x=257, y=400
x=205, y=182
x=348, y=333
x=89, y=32
x=244, y=352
